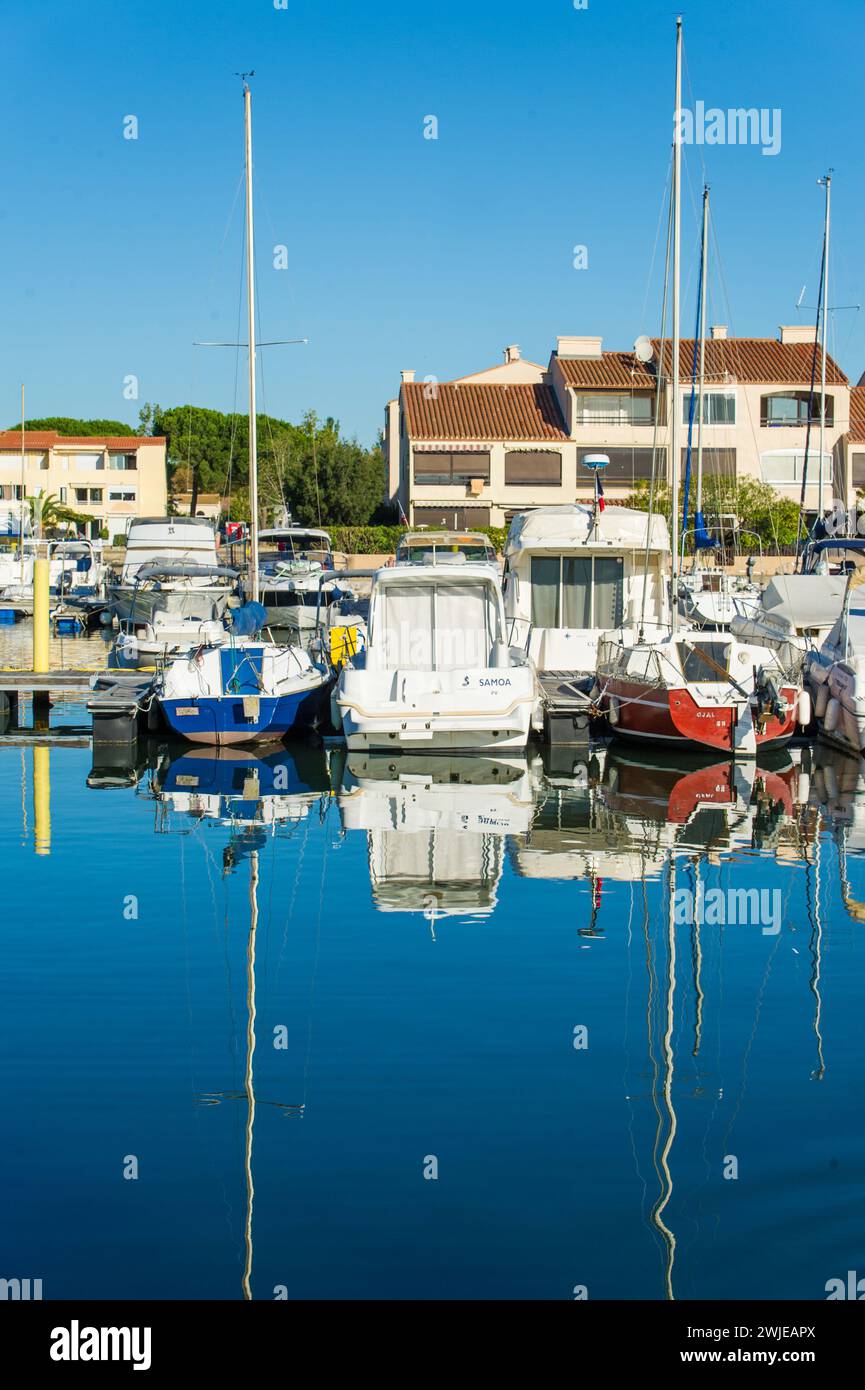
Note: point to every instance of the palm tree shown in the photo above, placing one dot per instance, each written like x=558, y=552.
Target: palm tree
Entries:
x=48, y=513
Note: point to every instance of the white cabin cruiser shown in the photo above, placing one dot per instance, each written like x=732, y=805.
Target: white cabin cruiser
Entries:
x=437, y=671
x=574, y=574
x=168, y=541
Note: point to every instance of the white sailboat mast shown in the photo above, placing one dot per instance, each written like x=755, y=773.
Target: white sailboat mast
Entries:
x=702, y=381
x=677, y=217
x=250, y=299
x=827, y=184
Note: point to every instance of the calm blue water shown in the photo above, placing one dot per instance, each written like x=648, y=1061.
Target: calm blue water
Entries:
x=425, y=938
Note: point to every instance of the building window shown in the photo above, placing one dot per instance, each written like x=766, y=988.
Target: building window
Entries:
x=81, y=494
x=625, y=466
x=63, y=492
x=525, y=468
x=84, y=462
x=786, y=466
x=96, y=494
x=857, y=470
x=719, y=408
x=125, y=495
x=10, y=492
x=122, y=462
x=446, y=468
x=451, y=518
x=790, y=408
x=611, y=408
x=717, y=463
x=576, y=591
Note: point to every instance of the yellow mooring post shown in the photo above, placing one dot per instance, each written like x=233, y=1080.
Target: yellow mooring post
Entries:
x=41, y=604
x=42, y=800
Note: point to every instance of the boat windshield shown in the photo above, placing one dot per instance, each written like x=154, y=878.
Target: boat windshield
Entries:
x=428, y=551
x=298, y=546
x=445, y=626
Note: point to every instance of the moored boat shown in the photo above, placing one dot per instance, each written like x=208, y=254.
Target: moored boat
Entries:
x=437, y=671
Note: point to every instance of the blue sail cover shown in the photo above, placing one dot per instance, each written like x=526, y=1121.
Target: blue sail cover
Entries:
x=248, y=620
x=702, y=539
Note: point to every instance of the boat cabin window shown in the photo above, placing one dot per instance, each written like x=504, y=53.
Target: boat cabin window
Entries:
x=577, y=591
x=696, y=666
x=435, y=626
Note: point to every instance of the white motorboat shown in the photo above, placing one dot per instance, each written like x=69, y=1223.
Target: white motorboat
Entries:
x=572, y=575
x=437, y=671
x=167, y=620
x=75, y=571
x=835, y=674
x=711, y=597
x=797, y=612
x=177, y=541
x=291, y=562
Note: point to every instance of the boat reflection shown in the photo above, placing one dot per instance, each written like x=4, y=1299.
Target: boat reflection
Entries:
x=232, y=786
x=619, y=812
x=436, y=827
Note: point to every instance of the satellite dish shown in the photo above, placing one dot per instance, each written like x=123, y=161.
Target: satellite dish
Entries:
x=643, y=350
x=595, y=461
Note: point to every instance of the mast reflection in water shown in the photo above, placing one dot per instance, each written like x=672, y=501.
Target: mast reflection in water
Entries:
x=619, y=1097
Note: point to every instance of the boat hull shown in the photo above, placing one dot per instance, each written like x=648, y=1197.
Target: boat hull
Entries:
x=674, y=716
x=238, y=719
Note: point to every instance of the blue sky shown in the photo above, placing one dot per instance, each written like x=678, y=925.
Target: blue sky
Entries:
x=554, y=129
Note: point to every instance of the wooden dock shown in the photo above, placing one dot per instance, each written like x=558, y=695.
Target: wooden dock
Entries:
x=116, y=700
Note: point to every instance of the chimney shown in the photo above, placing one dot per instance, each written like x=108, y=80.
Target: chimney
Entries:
x=719, y=332
x=512, y=353
x=797, y=332
x=407, y=374
x=578, y=347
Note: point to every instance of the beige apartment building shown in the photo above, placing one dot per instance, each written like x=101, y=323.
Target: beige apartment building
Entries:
x=109, y=479
x=476, y=450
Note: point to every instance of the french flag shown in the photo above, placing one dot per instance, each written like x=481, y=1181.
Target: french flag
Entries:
x=599, y=492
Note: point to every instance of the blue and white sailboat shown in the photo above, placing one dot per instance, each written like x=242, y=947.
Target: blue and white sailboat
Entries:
x=245, y=690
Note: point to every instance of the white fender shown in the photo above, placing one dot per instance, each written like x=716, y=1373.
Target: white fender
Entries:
x=803, y=709
x=821, y=700
x=613, y=713
x=832, y=715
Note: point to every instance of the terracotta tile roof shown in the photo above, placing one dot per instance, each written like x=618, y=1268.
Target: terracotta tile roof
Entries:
x=857, y=415
x=611, y=370
x=48, y=439
x=760, y=361
x=482, y=411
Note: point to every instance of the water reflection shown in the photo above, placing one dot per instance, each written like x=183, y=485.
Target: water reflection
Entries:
x=707, y=1041
x=436, y=828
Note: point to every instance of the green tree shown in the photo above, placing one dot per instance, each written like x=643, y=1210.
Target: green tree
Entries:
x=65, y=424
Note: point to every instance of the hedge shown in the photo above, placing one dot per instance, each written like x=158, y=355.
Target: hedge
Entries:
x=383, y=540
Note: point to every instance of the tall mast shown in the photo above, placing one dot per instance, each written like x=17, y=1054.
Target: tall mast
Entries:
x=827, y=184
x=677, y=217
x=23, y=485
x=250, y=299
x=704, y=246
